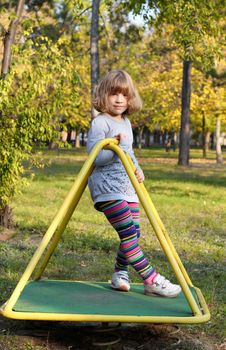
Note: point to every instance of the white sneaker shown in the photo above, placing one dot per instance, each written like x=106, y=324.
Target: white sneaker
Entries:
x=120, y=281
x=162, y=287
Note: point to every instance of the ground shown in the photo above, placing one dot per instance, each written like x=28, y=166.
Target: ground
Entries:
x=62, y=336
x=195, y=195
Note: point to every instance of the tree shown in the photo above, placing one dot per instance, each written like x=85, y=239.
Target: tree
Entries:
x=202, y=108
x=10, y=38
x=195, y=33
x=220, y=117
x=94, y=44
x=153, y=63
x=74, y=20
x=208, y=108
x=31, y=102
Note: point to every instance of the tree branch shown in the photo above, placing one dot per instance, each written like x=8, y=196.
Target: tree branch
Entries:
x=10, y=38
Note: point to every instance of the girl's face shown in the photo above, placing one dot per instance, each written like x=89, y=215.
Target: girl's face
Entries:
x=117, y=104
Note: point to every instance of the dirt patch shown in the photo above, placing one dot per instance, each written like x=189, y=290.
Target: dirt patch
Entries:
x=6, y=234
x=85, y=336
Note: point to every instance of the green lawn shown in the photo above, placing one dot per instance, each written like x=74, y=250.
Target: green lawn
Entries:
x=191, y=203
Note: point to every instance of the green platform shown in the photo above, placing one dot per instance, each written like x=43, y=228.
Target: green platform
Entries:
x=47, y=300
x=66, y=297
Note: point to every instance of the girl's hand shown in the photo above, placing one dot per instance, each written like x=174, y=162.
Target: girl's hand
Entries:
x=139, y=175
x=121, y=137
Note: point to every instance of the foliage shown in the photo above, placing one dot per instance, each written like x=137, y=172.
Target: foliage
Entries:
x=195, y=26
x=31, y=104
x=75, y=103
x=208, y=101
x=155, y=66
x=48, y=87
x=154, y=61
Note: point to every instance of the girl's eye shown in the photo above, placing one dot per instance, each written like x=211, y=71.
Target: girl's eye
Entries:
x=116, y=95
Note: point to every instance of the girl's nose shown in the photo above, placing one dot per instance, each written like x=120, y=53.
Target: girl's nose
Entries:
x=119, y=97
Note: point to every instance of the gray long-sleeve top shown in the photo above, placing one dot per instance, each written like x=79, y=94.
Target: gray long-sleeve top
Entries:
x=109, y=180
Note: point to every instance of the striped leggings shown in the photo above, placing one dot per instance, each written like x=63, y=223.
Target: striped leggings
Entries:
x=125, y=218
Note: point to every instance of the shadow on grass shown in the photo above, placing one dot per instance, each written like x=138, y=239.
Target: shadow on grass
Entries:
x=175, y=191
x=169, y=173
x=58, y=170
x=192, y=176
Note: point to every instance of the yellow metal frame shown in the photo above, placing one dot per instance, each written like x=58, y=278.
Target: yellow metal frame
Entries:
x=50, y=240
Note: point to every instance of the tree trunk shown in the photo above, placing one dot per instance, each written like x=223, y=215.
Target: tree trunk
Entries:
x=219, y=158
x=10, y=38
x=185, y=115
x=147, y=138
x=206, y=143
x=174, y=140
x=164, y=134
x=94, y=49
x=203, y=134
x=6, y=219
x=52, y=145
x=140, y=133
x=77, y=140
x=212, y=141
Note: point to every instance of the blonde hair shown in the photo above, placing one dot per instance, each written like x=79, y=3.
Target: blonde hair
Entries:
x=116, y=81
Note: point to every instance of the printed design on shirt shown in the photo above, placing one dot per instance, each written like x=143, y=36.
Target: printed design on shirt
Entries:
x=108, y=180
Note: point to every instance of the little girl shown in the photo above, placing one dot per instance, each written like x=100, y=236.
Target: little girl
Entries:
x=110, y=187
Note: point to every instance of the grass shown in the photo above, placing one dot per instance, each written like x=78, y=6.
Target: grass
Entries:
x=190, y=201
